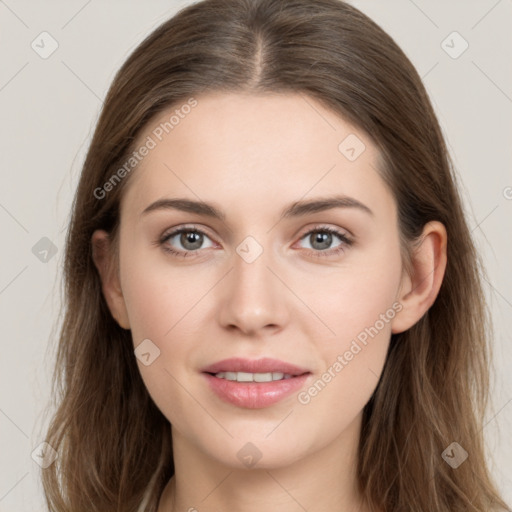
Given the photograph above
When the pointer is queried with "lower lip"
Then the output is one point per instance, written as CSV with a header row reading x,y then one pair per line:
x,y
255,395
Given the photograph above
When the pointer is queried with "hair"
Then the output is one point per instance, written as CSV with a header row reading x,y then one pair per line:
x,y
114,444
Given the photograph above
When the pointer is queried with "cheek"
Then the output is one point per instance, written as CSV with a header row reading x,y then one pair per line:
x,y
161,313
354,298
359,308
160,298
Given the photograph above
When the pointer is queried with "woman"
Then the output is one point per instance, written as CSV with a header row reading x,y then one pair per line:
x,y
209,360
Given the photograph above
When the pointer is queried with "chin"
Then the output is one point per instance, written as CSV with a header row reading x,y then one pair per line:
x,y
256,452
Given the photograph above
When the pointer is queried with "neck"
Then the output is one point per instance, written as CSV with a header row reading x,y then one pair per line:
x,y
324,480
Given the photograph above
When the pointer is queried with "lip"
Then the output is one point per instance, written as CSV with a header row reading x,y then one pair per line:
x,y
264,365
254,395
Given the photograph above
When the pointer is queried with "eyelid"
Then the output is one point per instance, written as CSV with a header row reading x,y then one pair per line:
x,y
185,227
326,227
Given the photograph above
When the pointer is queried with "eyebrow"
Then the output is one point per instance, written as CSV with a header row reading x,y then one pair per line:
x,y
296,209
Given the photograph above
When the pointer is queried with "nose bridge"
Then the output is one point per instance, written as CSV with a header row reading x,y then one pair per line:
x,y
253,295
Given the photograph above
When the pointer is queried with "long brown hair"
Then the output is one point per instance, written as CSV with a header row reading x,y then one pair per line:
x,y
114,444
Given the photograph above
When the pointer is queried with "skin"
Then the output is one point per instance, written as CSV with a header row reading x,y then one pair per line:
x,y
251,156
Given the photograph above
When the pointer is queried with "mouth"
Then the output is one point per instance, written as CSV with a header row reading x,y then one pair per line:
x,y
254,384
252,377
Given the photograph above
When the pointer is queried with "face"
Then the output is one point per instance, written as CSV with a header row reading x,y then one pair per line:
x,y
315,288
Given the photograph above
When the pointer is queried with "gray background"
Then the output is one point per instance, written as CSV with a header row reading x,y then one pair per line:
x,y
49,108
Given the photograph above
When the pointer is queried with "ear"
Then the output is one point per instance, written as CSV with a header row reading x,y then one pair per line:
x,y
102,255
419,289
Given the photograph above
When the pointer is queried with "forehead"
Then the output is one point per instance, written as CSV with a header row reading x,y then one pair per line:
x,y
258,150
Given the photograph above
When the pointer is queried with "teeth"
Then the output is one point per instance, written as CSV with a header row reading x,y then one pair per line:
x,y
253,377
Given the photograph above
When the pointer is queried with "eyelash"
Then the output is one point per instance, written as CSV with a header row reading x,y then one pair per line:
x,y
347,242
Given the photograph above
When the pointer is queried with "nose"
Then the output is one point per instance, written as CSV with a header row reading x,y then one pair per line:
x,y
253,298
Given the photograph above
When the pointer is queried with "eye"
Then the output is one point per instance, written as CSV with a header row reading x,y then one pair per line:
x,y
321,238
190,239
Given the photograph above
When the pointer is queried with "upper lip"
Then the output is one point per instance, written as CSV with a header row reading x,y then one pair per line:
x,y
265,365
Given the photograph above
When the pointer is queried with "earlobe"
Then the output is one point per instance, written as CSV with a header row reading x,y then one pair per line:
x,y
420,289
102,254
